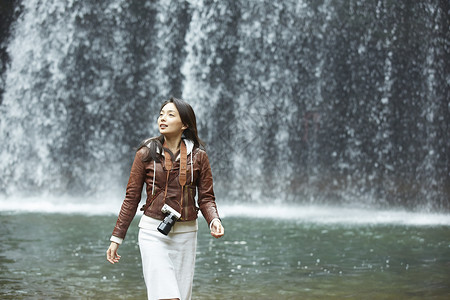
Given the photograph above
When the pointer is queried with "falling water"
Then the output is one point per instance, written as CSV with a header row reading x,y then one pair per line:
x,y
301,103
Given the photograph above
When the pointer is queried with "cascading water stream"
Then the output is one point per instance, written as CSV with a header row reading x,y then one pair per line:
x,y
332,103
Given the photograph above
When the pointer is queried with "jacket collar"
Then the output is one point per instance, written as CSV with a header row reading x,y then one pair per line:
x,y
189,147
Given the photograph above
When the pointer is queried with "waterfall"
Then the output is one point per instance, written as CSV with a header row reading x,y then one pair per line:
x,y
318,103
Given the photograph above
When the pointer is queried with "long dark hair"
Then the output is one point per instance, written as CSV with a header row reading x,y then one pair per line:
x,y
153,145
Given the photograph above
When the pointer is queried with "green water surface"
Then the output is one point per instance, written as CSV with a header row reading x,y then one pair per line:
x,y
58,256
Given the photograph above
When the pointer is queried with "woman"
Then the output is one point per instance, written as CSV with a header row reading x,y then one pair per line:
x,y
173,166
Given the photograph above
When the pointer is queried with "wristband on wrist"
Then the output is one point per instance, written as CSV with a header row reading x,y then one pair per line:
x,y
212,222
115,239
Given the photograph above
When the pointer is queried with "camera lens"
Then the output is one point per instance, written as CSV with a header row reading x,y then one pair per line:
x,y
166,224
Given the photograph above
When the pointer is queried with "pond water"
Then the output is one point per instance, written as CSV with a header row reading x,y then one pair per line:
x,y
62,256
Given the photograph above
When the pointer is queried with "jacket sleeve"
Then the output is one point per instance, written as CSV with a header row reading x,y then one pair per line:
x,y
132,198
206,199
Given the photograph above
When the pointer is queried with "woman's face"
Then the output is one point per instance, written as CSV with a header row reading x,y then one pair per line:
x,y
169,121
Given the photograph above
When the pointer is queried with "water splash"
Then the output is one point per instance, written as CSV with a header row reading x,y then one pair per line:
x,y
305,214
297,100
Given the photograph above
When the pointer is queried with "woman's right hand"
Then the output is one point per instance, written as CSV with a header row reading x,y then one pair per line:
x,y
111,254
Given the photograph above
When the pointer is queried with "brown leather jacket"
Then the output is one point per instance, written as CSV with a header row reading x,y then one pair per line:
x,y
142,172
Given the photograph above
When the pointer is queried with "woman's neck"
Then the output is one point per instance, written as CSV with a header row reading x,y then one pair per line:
x,y
173,144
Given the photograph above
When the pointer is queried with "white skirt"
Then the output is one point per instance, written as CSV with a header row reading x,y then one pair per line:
x,y
168,263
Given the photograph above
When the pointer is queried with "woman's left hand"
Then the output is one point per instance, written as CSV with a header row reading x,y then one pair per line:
x,y
217,229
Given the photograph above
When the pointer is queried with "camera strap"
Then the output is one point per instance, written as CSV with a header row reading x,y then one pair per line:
x,y
168,166
182,175
183,164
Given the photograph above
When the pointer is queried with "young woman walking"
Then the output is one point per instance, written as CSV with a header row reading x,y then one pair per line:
x,y
174,167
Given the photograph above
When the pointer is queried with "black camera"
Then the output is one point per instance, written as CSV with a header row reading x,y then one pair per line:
x,y
169,220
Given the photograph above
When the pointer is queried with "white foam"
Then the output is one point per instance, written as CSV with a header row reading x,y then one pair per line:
x,y
95,206
309,214
333,215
